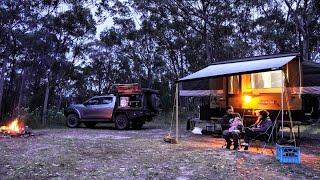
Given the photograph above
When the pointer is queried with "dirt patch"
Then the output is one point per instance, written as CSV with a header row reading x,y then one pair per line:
x,y
111,154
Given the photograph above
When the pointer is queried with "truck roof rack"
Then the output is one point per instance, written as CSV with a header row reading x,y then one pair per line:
x,y
125,88
133,88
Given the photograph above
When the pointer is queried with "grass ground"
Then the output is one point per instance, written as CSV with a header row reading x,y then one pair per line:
x,y
106,153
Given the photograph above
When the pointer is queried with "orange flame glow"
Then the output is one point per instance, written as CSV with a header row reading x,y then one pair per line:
x,y
14,128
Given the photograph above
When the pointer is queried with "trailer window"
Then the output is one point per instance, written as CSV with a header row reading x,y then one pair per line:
x,y
134,101
124,101
271,79
233,84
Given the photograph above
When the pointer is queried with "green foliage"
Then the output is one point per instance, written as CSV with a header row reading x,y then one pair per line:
x,y
54,52
33,118
56,118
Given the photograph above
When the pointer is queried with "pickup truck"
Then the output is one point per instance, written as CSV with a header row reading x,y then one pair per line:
x,y
127,105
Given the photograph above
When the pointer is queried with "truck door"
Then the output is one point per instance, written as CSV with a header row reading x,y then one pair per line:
x,y
90,109
105,107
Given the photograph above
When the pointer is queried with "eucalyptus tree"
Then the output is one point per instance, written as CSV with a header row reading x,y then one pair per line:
x,y
271,31
17,18
306,16
101,70
67,29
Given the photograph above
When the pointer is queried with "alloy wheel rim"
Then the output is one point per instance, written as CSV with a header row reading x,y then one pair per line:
x,y
121,122
72,121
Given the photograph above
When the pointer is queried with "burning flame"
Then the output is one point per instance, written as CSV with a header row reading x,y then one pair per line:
x,y
14,128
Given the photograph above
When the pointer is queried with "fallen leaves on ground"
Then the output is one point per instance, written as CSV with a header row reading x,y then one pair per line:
x,y
107,153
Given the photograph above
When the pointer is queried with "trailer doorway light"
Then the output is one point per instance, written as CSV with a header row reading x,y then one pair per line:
x,y
247,99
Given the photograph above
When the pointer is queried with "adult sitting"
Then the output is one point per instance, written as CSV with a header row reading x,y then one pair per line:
x,y
233,132
260,126
226,119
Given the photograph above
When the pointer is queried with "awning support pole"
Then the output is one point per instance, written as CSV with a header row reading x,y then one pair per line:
x,y
282,113
177,111
300,79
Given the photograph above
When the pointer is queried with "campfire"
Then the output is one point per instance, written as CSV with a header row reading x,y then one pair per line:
x,y
15,128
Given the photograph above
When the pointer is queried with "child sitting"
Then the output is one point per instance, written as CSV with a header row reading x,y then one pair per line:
x,y
233,132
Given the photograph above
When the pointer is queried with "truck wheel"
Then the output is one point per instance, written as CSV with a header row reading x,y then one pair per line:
x,y
137,125
72,121
90,124
122,122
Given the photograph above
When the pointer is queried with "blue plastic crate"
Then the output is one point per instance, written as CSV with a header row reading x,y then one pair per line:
x,y
288,154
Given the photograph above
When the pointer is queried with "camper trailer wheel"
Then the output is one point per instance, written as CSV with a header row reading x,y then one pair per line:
x,y
122,122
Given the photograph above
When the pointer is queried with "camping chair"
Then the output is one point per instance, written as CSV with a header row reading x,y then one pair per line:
x,y
263,136
240,135
239,138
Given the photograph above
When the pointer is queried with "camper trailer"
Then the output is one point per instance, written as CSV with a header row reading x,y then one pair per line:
x,y
275,83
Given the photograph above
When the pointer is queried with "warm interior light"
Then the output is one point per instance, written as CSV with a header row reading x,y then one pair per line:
x,y
247,98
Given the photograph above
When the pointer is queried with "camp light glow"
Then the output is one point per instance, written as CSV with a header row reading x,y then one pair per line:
x,y
247,99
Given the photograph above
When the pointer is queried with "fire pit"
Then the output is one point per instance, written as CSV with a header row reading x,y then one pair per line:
x,y
15,128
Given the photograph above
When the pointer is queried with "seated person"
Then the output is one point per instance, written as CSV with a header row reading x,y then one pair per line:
x,y
225,121
233,132
260,126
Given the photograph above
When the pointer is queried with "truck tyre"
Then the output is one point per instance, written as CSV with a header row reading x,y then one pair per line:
x,y
90,124
72,121
122,122
137,125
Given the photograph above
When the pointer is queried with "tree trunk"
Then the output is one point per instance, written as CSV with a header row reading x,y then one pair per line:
x,y
181,64
100,83
208,53
302,22
45,103
305,50
12,89
150,79
206,33
22,84
60,100
2,78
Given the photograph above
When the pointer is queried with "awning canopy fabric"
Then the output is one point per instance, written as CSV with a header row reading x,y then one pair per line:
x,y
240,67
199,92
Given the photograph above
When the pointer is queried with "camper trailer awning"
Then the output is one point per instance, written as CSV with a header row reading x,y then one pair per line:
x,y
240,67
